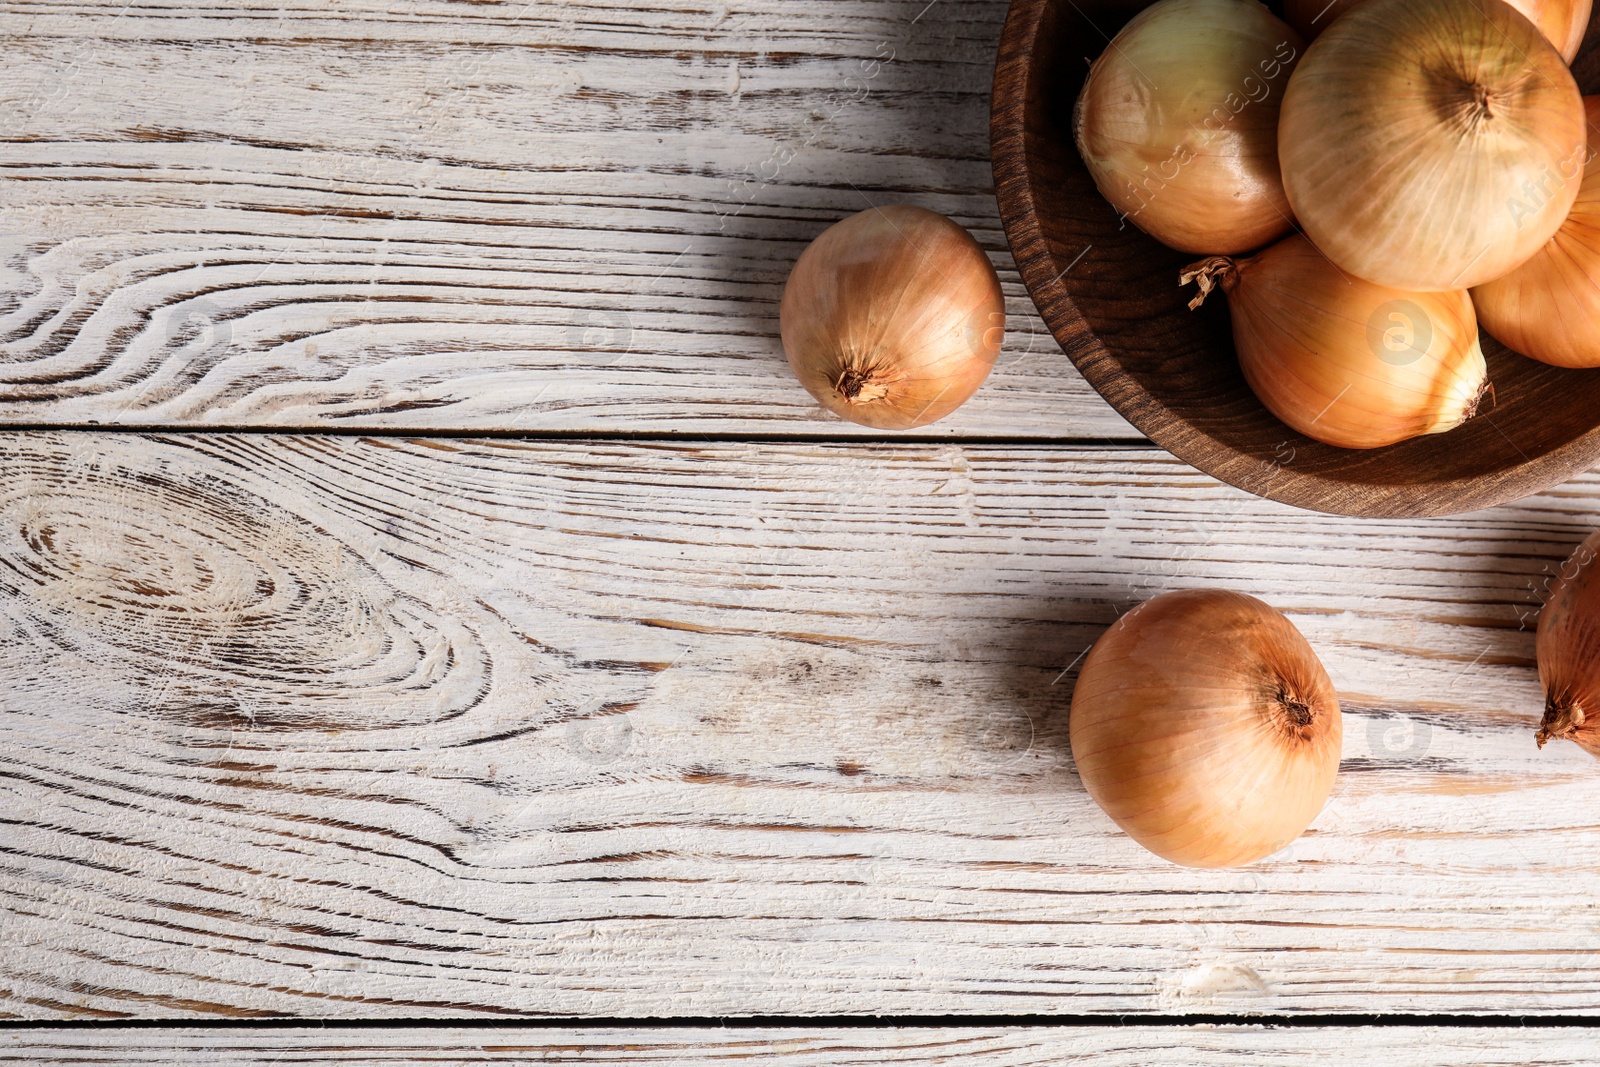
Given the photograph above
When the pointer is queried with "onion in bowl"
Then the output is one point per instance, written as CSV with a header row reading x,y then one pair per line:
x,y
1431,144
1178,123
1549,308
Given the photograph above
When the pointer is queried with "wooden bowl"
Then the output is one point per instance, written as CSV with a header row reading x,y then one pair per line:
x,y
1110,295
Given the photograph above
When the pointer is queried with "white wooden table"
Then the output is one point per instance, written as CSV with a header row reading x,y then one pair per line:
x,y
425,593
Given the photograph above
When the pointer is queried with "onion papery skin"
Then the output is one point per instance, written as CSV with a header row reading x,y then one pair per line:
x,y
1549,308
1421,142
893,317
1178,123
1568,649
1206,727
1347,362
1563,22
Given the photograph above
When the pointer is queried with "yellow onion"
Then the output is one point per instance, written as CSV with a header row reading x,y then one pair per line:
x,y
893,317
1549,308
1568,649
1341,360
1421,141
1563,22
1206,727
1178,123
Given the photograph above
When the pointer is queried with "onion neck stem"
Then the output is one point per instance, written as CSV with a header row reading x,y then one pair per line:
x,y
859,386
1484,99
1299,711
1208,274
1484,390
1296,716
1563,717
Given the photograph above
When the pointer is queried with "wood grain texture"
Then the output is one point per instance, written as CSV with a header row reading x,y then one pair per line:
x,y
1122,1046
1110,293
461,215
348,727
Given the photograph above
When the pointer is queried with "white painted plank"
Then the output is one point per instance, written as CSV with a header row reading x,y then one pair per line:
x,y
454,215
377,727
1121,1046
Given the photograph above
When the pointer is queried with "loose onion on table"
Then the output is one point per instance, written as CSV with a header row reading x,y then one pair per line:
x,y
893,317
1341,360
1568,649
1549,308
1563,22
1206,727
1178,123
1422,142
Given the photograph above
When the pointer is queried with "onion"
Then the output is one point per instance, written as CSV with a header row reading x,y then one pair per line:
x,y
1421,141
893,317
1341,360
1568,650
1178,123
1563,22
1206,728
1549,308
